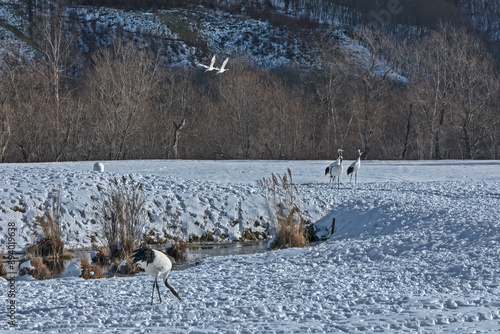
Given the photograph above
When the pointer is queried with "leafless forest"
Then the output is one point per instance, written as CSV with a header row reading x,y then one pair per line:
x,y
434,96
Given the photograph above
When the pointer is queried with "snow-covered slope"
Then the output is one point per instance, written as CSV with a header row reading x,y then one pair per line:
x,y
181,36
416,249
188,198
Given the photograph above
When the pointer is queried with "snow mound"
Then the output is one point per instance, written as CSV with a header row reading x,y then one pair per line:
x,y
74,269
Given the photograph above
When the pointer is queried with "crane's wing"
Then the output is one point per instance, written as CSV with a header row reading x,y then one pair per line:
x,y
212,62
224,63
205,66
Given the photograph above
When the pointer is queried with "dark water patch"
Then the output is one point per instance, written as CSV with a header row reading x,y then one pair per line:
x,y
198,252
195,253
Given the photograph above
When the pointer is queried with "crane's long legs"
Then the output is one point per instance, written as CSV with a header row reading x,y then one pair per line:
x,y
153,293
173,290
158,289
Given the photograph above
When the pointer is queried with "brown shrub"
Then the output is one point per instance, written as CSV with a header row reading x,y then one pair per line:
x,y
101,257
284,211
122,216
128,268
90,271
52,244
40,271
48,247
3,270
178,250
290,234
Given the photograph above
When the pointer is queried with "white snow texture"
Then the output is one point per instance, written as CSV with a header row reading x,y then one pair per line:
x,y
416,249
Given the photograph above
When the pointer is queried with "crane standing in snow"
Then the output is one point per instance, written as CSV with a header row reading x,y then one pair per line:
x,y
335,169
155,263
353,168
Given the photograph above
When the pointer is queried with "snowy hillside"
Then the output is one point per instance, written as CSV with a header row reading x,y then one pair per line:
x,y
194,33
416,249
181,36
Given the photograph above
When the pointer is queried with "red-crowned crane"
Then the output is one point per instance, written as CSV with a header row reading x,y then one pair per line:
x,y
155,263
353,168
211,67
222,69
335,169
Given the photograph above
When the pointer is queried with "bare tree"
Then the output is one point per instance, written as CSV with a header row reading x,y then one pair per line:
x,y
26,98
174,99
177,135
56,43
241,91
451,83
433,76
332,84
5,120
121,86
476,84
286,123
369,76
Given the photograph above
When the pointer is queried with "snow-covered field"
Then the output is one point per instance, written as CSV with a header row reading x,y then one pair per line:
x,y
416,249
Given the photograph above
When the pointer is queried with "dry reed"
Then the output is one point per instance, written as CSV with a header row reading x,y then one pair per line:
x,y
283,208
122,216
178,250
51,245
3,270
40,271
90,271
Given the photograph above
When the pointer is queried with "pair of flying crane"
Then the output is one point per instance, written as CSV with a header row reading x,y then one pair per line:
x,y
211,67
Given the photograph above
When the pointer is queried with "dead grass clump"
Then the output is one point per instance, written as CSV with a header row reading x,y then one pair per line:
x,y
47,247
122,216
127,267
178,250
50,244
101,257
250,235
153,238
39,271
124,267
291,234
284,211
3,270
90,271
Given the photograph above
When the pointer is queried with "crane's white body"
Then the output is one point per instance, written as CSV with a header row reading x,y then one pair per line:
x,y
210,67
223,69
335,169
353,169
161,264
98,167
155,263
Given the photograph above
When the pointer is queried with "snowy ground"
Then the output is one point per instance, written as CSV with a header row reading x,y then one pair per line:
x,y
416,249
